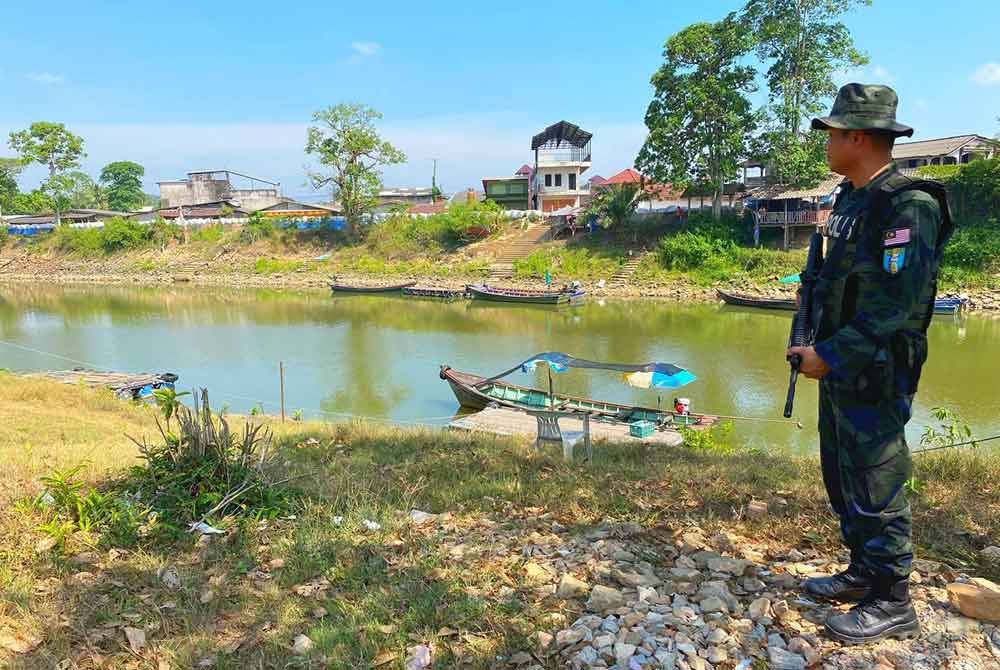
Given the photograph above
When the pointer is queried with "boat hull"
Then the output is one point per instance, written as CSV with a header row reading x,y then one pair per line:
x,y
786,304
342,288
482,292
472,392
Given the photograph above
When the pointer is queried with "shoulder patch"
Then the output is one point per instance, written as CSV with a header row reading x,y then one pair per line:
x,y
893,260
896,237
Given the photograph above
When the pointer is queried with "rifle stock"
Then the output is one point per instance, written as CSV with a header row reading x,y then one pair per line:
x,y
805,320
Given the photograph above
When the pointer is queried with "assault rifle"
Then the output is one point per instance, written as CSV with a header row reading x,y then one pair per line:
x,y
805,321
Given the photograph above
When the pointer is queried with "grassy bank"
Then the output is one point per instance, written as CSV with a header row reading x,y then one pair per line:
x,y
364,594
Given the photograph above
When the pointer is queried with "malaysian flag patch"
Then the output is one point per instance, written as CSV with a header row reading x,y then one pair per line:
x,y
896,237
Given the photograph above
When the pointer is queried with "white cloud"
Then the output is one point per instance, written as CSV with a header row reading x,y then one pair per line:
x,y
467,147
365,49
45,77
987,74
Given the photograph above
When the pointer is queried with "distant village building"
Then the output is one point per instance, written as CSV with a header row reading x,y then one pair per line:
x,y
956,150
797,212
30,224
213,186
420,195
221,211
293,209
562,155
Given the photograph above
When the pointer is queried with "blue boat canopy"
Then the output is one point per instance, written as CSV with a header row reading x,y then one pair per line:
x,y
644,375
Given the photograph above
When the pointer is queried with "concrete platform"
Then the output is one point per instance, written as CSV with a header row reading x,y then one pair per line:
x,y
504,421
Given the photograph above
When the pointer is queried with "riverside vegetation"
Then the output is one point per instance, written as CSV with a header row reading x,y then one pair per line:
x,y
355,545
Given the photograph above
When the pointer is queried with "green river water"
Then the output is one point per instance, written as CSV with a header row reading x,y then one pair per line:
x,y
378,357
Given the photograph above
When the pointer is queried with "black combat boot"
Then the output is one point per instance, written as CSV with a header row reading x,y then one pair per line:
x,y
887,612
848,586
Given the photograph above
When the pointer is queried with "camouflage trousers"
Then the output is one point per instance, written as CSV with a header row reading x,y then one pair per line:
x,y
866,464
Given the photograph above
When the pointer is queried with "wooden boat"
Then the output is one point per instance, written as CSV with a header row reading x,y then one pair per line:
x,y
362,288
743,300
484,292
950,304
944,305
440,293
476,392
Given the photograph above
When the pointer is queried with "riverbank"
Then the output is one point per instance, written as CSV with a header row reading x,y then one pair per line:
x,y
299,271
476,551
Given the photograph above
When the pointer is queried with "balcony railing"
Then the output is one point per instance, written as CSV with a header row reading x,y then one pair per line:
x,y
581,189
564,154
799,218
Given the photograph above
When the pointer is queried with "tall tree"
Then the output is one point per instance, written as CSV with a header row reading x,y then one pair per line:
x,y
10,168
700,119
75,190
805,44
122,181
351,152
52,145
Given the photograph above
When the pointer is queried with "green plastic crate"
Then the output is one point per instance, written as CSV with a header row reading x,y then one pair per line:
x,y
641,428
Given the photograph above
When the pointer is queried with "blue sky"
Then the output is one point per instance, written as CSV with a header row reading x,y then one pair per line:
x,y
201,85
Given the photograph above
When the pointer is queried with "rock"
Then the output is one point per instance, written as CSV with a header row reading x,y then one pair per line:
x,y
571,587
713,604
752,584
961,626
168,575
731,566
756,509
977,599
586,657
782,659
418,657
301,645
623,652
418,517
605,640
543,642
759,608
206,596
990,555
521,658
634,579
717,655
776,641
648,594
18,642
136,638
603,598
780,608
570,636
45,544
537,574
276,563
319,612
371,525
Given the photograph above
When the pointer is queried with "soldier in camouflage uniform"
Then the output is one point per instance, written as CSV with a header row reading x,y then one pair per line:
x,y
875,294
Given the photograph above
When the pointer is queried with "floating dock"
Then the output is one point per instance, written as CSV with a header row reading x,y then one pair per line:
x,y
504,421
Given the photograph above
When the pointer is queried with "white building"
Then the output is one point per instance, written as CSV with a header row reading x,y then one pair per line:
x,y
562,155
944,151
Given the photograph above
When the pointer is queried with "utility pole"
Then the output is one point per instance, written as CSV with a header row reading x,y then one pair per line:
x,y
434,187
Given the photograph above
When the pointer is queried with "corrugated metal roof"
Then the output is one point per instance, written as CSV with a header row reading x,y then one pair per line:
x,y
564,131
780,192
936,147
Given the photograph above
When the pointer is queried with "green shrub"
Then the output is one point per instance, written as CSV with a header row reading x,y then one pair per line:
x,y
401,235
4,235
163,232
120,234
270,266
566,264
974,246
81,241
210,233
257,227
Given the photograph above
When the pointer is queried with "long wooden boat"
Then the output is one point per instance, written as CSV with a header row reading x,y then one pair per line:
x,y
440,293
475,392
361,288
743,300
943,305
484,292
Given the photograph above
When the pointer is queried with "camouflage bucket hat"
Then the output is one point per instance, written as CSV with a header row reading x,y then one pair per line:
x,y
864,107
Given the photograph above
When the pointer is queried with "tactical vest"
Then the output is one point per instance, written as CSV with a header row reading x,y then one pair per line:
x,y
906,350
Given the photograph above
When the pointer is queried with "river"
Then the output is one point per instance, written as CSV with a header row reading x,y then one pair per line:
x,y
378,357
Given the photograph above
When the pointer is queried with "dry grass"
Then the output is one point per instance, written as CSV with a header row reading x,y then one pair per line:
x,y
397,585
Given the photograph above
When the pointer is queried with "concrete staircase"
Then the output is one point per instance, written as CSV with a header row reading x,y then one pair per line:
x,y
514,249
626,271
